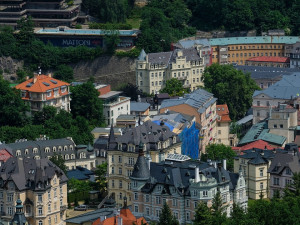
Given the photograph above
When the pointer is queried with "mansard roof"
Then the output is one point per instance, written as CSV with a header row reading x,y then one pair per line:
x,y
34,174
178,175
149,133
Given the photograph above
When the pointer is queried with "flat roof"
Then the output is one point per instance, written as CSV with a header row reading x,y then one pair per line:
x,y
110,94
69,31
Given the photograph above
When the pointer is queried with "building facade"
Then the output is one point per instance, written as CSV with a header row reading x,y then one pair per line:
x,y
254,164
202,105
287,89
154,69
80,155
223,126
182,185
44,14
44,90
114,105
122,154
40,185
282,168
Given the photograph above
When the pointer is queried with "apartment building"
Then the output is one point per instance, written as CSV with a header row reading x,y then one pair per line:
x,y
287,89
236,50
114,105
122,154
154,69
39,184
223,126
44,90
254,164
181,185
200,104
44,13
282,168
80,155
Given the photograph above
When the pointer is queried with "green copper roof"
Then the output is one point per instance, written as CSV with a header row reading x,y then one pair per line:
x,y
254,40
260,131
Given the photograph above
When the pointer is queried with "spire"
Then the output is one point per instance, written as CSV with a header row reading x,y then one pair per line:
x,y
19,217
142,56
111,135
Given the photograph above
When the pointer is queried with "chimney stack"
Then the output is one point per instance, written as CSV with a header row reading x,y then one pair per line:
x,y
224,164
197,176
50,75
35,76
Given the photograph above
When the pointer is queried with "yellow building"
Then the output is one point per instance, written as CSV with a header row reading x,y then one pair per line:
x,y
157,140
40,185
239,49
154,69
254,163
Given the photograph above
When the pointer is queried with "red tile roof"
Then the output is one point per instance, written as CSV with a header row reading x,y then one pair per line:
x,y
275,59
223,113
41,83
127,217
256,144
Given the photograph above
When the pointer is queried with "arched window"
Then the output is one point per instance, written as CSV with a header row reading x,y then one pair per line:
x,y
35,151
26,151
59,148
65,148
71,147
18,152
72,156
54,149
40,222
66,157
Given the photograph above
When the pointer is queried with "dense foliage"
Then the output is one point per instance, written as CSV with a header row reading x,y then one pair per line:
x,y
231,87
174,87
236,15
218,152
114,11
166,216
164,22
110,26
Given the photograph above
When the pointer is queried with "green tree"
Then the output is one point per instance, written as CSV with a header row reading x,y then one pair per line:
x,y
166,217
132,91
238,215
231,87
26,31
59,161
12,107
85,103
203,215
218,209
174,87
100,174
40,117
8,42
112,39
65,73
219,152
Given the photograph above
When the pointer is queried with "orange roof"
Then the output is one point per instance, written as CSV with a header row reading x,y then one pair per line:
x,y
276,59
127,217
256,144
223,113
42,84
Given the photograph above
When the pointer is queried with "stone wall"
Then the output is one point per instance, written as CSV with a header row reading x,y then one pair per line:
x,y
9,67
111,70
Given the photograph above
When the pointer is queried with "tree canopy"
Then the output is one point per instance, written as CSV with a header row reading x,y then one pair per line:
x,y
166,216
219,152
59,161
231,87
65,73
85,103
174,87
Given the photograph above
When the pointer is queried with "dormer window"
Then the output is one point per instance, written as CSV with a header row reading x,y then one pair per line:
x,y
174,139
54,149
159,145
119,146
159,188
26,151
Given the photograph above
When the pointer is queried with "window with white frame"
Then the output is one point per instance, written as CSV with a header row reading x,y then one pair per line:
x,y
147,199
147,211
276,181
136,208
10,210
40,210
10,197
157,200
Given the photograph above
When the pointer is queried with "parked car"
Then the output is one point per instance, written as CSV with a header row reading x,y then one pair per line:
x,y
81,208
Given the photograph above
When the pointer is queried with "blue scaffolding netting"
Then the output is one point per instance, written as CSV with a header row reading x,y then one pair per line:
x,y
190,141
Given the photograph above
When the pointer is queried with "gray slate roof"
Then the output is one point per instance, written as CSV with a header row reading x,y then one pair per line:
x,y
92,216
138,106
178,175
30,173
287,87
282,161
149,133
199,99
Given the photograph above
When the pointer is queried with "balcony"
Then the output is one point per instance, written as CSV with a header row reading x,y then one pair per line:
x,y
182,78
129,165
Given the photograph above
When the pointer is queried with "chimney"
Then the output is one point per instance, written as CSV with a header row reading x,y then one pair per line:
x,y
224,164
120,220
50,75
35,76
27,77
197,176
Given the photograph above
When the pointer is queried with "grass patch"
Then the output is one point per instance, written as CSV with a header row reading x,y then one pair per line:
x,y
134,22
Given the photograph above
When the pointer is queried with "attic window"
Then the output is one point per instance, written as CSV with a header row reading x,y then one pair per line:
x,y
54,81
46,84
29,84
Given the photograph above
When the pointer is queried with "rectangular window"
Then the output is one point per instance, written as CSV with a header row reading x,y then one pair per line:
x,y
188,216
174,202
204,193
276,181
112,183
40,211
120,184
10,210
147,198
157,200
261,172
258,103
55,192
136,208
1,194
120,159
261,185
120,171
113,170
187,203
10,197
147,211
288,171
219,131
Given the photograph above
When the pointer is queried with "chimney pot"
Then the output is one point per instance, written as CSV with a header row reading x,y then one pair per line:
x,y
197,176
